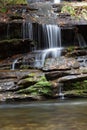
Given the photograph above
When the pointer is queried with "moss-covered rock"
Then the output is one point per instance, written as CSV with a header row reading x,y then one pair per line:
x,y
79,85
77,89
76,93
35,85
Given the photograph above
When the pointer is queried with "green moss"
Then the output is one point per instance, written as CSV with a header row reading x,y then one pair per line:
x,y
68,9
77,12
24,67
70,49
42,87
10,41
78,93
81,85
32,74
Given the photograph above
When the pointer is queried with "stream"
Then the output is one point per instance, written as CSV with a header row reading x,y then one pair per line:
x,y
45,115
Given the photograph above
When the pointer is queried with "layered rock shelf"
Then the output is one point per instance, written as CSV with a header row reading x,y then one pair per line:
x,y
27,73
34,84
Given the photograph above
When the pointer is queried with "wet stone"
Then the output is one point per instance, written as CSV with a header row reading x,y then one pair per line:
x,y
6,85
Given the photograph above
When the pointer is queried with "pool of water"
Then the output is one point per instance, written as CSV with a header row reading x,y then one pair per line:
x,y
46,115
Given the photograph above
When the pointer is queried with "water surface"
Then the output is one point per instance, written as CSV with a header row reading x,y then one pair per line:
x,y
46,115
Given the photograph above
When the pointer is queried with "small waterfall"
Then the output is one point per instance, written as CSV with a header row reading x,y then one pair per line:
x,y
52,41
13,64
81,40
52,36
48,37
61,95
27,30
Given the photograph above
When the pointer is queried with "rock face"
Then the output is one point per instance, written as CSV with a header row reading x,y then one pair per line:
x,y
28,85
15,46
61,63
24,85
68,72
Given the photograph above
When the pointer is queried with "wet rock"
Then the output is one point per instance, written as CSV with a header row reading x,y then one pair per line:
x,y
76,94
52,75
82,60
61,63
6,85
28,81
15,46
11,97
72,78
75,53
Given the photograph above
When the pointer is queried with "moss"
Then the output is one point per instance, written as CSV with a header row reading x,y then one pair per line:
x,y
81,85
68,9
32,74
77,12
71,48
42,87
24,67
76,93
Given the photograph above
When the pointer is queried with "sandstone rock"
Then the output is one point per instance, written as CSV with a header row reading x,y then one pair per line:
x,y
61,63
52,75
72,78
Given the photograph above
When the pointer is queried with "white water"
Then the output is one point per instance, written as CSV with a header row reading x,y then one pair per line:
x,y
41,55
60,93
52,36
13,64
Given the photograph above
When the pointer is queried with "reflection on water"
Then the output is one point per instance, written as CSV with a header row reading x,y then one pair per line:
x,y
52,115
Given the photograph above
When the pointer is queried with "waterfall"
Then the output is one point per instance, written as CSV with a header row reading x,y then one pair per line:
x,y
48,37
61,95
81,40
52,42
27,30
14,63
52,35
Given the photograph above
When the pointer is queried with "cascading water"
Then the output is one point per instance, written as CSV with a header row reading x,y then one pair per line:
x,y
60,93
52,38
49,38
52,34
14,63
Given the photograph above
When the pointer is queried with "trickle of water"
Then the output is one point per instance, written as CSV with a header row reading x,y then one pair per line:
x,y
27,30
81,40
13,64
60,93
